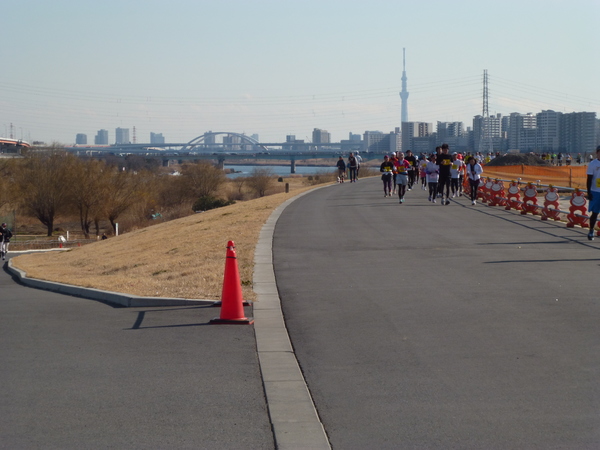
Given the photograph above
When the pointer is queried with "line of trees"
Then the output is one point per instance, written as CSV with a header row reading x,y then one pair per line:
x,y
58,184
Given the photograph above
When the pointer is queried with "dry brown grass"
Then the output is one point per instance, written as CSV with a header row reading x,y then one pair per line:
x,y
183,258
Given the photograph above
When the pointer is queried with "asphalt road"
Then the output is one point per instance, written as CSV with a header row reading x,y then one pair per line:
x,y
422,326
79,374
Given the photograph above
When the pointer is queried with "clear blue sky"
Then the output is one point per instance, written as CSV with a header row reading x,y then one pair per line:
x,y
278,67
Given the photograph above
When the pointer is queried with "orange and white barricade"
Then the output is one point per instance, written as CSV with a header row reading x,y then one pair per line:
x,y
551,206
497,193
513,196
578,210
530,199
485,193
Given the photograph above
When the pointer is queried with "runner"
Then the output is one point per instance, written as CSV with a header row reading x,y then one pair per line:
x,y
393,159
474,172
444,161
387,172
412,171
423,171
593,189
433,174
455,171
402,175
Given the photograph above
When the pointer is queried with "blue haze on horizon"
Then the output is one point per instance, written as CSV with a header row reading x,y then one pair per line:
x,y
278,67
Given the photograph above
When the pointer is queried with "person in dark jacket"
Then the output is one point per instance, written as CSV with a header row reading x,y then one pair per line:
x,y
5,235
352,167
341,165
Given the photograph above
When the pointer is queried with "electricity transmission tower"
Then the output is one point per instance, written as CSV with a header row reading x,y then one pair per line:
x,y
485,142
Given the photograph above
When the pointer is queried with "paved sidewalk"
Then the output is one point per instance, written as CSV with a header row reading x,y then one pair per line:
x,y
78,373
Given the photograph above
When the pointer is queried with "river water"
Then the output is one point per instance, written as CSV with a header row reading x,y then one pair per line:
x,y
282,171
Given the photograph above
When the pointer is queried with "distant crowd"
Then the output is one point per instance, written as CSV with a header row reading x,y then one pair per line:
x,y
443,174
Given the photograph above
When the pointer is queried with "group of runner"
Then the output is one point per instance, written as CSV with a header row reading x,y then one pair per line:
x,y
441,172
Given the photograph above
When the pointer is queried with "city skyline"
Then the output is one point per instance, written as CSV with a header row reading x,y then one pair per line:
x,y
278,68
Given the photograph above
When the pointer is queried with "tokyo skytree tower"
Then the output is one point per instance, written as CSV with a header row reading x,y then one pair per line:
x,y
404,93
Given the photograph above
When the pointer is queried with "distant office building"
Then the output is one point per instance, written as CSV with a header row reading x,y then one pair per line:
x,y
415,130
320,136
122,136
379,142
101,137
578,132
293,144
375,141
451,133
157,138
232,143
255,137
81,139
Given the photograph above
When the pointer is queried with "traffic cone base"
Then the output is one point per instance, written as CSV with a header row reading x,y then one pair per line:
x,y
244,321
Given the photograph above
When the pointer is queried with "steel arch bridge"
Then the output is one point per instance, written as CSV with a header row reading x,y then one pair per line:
x,y
200,142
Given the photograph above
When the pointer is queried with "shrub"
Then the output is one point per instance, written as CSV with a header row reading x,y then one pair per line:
x,y
207,202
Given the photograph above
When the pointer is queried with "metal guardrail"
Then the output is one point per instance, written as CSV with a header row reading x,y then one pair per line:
x,y
42,244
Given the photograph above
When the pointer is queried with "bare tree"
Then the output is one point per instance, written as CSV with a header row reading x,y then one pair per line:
x,y
44,183
87,190
202,179
120,192
261,180
7,193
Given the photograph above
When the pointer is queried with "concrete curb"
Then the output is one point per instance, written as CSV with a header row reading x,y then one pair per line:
x,y
111,298
293,416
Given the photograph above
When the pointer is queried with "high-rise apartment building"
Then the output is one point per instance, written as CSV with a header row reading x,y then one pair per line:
x,y
122,136
487,132
548,131
321,136
81,139
578,132
101,137
521,131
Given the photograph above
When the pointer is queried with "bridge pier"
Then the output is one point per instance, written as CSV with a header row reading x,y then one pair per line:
x,y
221,163
293,165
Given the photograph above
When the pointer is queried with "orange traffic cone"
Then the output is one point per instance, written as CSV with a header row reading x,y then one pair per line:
x,y
232,303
